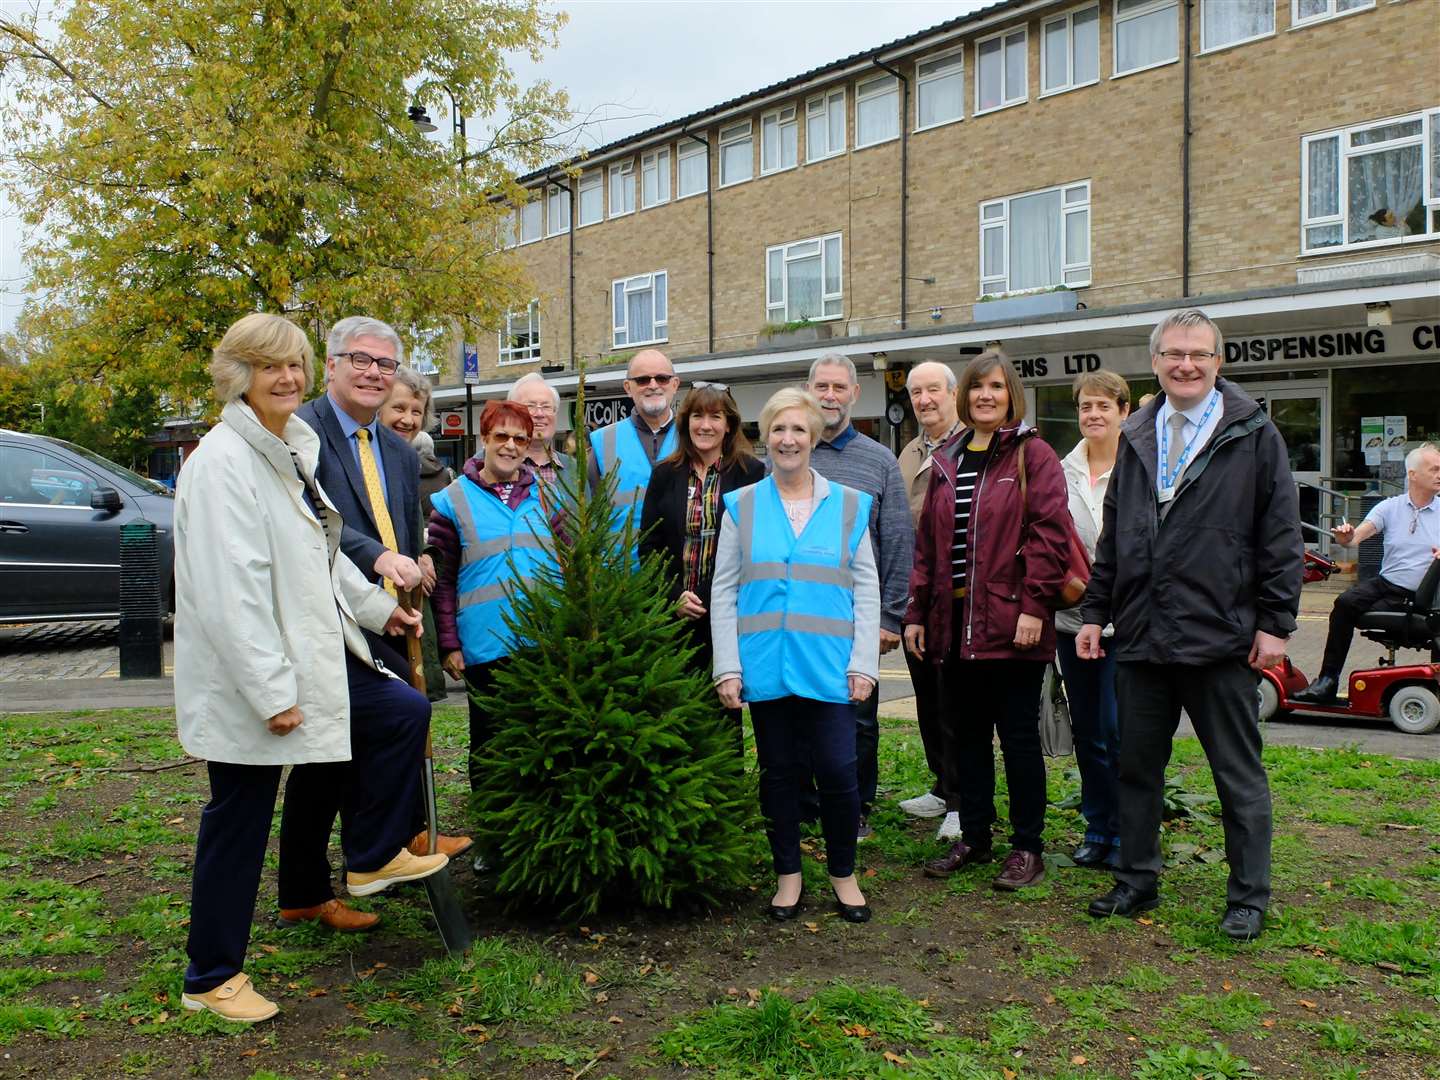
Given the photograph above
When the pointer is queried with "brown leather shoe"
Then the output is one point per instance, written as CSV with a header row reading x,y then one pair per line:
x,y
333,913
448,845
1021,868
960,854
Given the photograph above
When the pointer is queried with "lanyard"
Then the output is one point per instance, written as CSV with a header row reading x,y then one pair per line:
x,y
1167,479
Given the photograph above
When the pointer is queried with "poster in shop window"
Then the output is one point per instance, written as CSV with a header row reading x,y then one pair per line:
x,y
1372,438
1395,438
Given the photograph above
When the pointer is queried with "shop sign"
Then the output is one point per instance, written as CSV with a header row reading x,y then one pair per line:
x,y
604,411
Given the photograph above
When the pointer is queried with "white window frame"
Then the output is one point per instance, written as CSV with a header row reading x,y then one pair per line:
x,y
533,208
524,354
1204,49
1429,191
830,99
735,139
635,284
687,149
1068,18
554,195
1001,220
1298,22
778,117
1147,9
892,89
589,182
777,310
923,80
1006,101
657,160
622,175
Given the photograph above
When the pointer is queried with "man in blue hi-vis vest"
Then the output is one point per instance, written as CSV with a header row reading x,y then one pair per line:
x,y
629,448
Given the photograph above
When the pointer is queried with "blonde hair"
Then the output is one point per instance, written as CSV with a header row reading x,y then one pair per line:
x,y
792,397
981,366
252,342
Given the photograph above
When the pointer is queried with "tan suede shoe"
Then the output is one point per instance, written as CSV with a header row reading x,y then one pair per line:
x,y
450,846
333,913
403,867
234,999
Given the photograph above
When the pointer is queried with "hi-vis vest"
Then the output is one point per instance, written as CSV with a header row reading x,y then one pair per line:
x,y
796,606
498,546
618,450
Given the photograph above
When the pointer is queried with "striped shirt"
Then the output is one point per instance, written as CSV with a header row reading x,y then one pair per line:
x,y
702,528
967,473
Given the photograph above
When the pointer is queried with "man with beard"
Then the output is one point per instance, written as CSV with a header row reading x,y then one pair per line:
x,y
629,448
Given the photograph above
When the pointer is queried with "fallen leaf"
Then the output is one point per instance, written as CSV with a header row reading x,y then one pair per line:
x,y
591,978
733,991
473,1029
601,998
869,873
271,949
538,979
319,991
814,928
1227,985
381,964
1009,1074
1078,1059
1267,1023
176,821
1049,999
858,1031
924,1003
162,1017
896,1059
1386,965
613,1020
1307,1004
1145,922
646,970
455,1009
248,1053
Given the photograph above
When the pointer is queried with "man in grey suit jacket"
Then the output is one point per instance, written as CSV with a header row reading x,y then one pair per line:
x,y
383,540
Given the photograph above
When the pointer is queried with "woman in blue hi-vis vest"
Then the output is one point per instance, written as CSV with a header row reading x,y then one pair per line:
x,y
795,620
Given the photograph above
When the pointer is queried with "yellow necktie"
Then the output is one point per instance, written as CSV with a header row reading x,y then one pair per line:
x,y
376,495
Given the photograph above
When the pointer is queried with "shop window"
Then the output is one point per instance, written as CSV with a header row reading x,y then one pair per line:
x,y
1070,51
1365,186
1146,34
1056,417
1037,240
877,110
640,309
1229,22
520,340
940,90
779,140
1003,76
1308,11
825,125
592,199
737,154
803,280
692,168
655,177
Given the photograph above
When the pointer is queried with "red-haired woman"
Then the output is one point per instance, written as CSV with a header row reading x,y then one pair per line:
x,y
682,502
489,531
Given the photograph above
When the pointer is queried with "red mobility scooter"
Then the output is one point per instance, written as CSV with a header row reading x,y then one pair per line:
x,y
1408,695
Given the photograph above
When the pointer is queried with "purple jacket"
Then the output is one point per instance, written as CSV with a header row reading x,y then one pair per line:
x,y
1015,558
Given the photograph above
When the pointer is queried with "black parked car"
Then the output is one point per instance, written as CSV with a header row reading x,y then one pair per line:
x,y
61,508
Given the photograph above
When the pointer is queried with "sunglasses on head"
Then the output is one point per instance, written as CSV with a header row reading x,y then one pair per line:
x,y
646,380
720,386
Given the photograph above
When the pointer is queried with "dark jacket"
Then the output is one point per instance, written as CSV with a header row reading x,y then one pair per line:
x,y
666,503
339,475
1016,557
1225,560
435,476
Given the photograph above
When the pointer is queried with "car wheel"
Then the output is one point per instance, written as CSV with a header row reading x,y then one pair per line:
x,y
1415,710
1269,698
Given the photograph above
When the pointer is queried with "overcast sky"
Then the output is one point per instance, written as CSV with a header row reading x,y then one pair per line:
x,y
631,64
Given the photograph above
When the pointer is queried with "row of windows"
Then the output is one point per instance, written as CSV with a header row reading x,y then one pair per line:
x,y
1146,35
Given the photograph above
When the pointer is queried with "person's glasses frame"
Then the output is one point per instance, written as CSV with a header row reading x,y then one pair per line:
x,y
361,361
646,380
542,407
1175,356
720,386
502,437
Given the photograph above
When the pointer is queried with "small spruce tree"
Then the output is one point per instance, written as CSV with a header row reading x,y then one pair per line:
x,y
612,774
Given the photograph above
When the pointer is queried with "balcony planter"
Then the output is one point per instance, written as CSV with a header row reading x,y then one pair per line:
x,y
1025,306
796,333
551,369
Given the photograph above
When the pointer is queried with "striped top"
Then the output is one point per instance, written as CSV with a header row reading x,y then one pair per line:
x,y
967,473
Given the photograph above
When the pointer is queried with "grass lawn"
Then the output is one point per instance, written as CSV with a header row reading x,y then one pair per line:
x,y
952,980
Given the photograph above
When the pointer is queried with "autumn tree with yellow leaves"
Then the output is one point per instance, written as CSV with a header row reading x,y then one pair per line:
x,y
182,162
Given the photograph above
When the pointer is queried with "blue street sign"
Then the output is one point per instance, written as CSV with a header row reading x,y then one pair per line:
x,y
472,364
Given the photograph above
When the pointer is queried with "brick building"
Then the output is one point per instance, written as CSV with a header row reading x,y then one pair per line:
x,y
1049,175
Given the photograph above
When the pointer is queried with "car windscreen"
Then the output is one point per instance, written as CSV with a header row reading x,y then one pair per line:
x,y
143,483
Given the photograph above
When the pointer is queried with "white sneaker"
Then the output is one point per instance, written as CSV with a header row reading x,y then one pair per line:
x,y
950,827
927,805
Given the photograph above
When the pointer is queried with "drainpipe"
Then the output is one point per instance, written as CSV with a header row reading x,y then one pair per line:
x,y
904,188
709,241
568,187
1185,161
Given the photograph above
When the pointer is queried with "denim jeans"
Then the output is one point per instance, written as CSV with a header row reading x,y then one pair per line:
x,y
1090,688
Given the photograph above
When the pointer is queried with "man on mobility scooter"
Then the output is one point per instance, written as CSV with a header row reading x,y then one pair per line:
x,y
1397,608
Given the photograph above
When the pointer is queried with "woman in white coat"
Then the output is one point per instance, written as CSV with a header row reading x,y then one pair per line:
x,y
1102,402
271,668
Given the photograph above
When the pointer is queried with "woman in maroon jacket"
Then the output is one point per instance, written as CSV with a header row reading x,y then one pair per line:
x,y
989,565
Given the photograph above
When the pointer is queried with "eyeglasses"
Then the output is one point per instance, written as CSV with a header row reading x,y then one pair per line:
x,y
500,438
542,407
1175,356
646,380
361,361
720,386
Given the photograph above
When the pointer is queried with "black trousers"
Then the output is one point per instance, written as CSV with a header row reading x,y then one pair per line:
x,y
1377,594
1222,705
984,697
379,785
480,679
795,738
928,684
376,785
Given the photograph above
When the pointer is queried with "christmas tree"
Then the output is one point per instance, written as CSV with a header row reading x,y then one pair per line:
x,y
612,774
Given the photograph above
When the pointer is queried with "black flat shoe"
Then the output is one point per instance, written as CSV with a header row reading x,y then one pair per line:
x,y
789,912
1123,900
1091,854
1320,692
1242,923
856,913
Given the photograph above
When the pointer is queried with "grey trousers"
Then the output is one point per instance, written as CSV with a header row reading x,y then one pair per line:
x,y
1222,705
